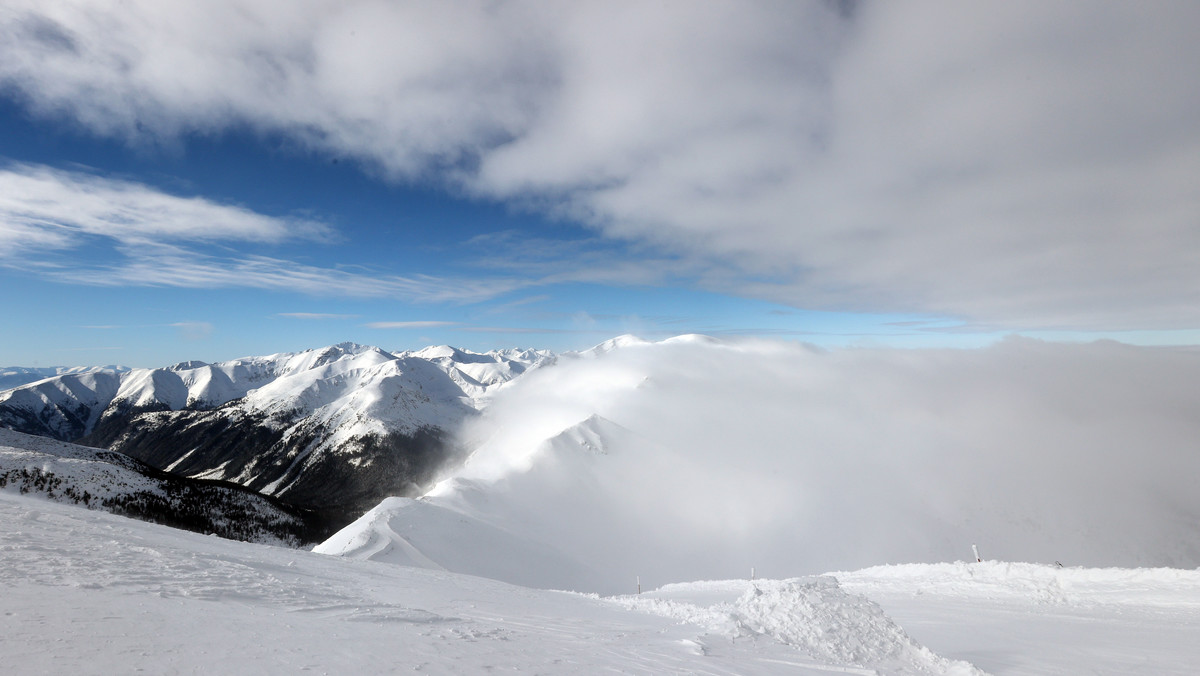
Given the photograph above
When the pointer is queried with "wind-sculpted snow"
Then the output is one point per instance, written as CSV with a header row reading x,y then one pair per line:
x,y
814,615
419,533
696,459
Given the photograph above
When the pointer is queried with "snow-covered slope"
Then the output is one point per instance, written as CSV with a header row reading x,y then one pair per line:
x,y
16,376
695,458
91,593
333,429
116,483
64,407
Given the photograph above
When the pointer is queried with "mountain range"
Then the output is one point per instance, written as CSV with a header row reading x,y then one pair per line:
x,y
328,431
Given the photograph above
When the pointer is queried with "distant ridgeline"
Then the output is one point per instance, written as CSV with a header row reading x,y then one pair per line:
x,y
326,434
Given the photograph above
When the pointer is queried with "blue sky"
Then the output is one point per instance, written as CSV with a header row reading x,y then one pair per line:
x,y
262,177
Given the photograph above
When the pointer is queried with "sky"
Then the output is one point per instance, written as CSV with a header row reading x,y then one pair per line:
x,y
207,181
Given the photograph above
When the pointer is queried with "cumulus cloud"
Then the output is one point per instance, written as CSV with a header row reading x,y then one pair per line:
x,y
711,457
1022,164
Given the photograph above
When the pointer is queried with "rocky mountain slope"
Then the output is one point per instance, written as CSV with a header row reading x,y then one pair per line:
x,y
116,483
332,430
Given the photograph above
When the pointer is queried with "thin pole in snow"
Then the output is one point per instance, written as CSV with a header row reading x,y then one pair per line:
x,y
976,551
751,572
639,584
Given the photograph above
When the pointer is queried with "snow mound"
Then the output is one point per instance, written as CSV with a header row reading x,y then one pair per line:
x,y
814,615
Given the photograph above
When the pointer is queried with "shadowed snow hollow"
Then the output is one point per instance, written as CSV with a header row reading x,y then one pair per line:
x,y
694,459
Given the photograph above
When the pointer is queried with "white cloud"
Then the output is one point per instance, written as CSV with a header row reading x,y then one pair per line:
x,y
313,315
723,455
1023,164
48,216
165,265
193,330
45,208
418,324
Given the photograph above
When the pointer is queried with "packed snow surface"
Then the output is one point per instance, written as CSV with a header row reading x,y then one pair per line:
x,y
87,593
91,593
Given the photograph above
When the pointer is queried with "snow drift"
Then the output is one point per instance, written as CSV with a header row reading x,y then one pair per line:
x,y
694,458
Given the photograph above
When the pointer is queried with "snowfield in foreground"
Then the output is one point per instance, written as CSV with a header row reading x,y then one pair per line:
x,y
85,592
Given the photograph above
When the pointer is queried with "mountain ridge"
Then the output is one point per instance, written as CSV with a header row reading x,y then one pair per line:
x,y
333,429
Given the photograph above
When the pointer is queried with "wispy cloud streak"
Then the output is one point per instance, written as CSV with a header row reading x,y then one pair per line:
x,y
173,266
46,208
416,324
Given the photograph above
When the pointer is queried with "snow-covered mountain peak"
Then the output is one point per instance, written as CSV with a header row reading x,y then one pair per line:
x,y
595,434
694,339
480,374
331,428
316,358
441,352
622,341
